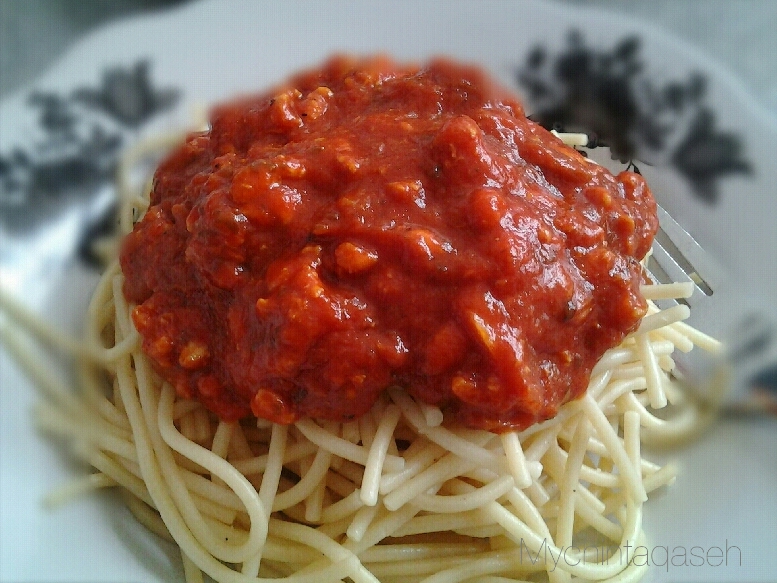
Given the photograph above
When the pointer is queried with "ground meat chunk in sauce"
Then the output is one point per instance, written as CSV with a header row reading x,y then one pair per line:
x,y
371,225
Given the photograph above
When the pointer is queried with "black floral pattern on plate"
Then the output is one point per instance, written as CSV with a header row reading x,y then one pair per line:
x,y
608,94
764,390
84,133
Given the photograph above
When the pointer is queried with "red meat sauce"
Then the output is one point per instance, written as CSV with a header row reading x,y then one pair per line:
x,y
371,225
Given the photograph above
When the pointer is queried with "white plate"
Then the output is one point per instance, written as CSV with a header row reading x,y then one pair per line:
x,y
55,184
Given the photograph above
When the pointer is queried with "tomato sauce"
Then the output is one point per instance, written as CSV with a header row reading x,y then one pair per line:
x,y
371,225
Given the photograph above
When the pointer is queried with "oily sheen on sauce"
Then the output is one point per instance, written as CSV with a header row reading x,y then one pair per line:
x,y
371,224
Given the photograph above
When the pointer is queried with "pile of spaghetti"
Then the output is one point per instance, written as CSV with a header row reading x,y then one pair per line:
x,y
402,492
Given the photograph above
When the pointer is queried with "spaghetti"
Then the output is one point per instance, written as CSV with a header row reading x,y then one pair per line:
x,y
395,495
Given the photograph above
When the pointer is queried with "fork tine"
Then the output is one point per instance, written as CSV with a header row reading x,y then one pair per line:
x,y
663,268
681,257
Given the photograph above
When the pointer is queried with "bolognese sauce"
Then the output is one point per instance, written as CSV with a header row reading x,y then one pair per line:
x,y
370,225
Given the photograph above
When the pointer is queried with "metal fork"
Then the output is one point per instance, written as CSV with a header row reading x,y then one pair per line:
x,y
677,257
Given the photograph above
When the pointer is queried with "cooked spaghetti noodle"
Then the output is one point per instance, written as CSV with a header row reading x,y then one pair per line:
x,y
395,495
